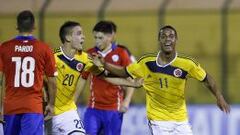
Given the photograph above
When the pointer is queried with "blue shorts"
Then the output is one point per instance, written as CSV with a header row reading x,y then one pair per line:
x,y
102,122
24,124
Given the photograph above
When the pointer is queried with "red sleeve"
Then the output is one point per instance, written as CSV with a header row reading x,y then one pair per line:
x,y
85,75
50,65
126,60
1,61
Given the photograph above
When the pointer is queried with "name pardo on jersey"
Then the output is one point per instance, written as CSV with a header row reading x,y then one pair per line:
x,y
25,48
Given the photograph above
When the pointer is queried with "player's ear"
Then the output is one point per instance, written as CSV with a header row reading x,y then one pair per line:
x,y
68,38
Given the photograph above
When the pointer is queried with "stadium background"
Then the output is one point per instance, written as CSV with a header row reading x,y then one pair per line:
x,y
208,30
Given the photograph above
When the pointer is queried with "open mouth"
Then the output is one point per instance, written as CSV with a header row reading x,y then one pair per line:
x,y
168,44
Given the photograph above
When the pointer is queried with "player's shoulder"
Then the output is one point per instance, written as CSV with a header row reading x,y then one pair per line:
x,y
122,47
148,56
41,45
7,42
187,58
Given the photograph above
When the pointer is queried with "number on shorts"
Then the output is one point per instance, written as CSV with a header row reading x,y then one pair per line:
x,y
79,124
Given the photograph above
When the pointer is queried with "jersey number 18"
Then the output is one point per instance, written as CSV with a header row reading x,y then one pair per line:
x,y
24,71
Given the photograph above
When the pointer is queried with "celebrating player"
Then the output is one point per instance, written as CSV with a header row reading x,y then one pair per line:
x,y
165,74
71,61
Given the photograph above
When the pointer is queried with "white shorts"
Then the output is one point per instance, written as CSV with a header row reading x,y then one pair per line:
x,y
67,123
1,129
170,128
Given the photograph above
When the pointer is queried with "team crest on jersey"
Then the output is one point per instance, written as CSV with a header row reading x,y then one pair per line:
x,y
177,72
79,67
115,58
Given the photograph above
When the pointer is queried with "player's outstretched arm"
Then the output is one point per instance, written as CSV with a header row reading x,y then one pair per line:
x,y
125,82
52,88
114,69
211,85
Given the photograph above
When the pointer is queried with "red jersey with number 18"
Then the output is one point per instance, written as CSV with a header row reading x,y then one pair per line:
x,y
24,61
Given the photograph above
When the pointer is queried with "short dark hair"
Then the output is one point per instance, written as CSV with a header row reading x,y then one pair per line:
x,y
167,27
25,21
66,29
105,27
114,26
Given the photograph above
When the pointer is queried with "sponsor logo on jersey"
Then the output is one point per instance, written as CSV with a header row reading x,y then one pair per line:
x,y
79,66
177,72
115,58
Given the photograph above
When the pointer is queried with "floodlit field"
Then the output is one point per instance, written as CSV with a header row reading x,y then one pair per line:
x,y
199,36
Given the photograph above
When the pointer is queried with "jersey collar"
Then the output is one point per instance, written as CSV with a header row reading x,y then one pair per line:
x,y
66,55
20,37
114,46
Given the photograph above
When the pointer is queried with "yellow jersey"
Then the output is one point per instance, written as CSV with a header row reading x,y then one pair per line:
x,y
69,71
164,85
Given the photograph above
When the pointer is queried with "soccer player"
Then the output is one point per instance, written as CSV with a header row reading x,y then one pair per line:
x,y
165,74
23,62
107,102
71,61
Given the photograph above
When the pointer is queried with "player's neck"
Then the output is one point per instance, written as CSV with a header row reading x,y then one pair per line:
x,y
25,34
69,52
105,50
165,58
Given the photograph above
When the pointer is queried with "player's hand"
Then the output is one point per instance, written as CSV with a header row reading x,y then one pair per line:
x,y
223,105
1,118
98,60
124,107
138,82
49,112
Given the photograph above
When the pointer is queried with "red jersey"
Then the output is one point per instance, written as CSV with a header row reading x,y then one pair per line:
x,y
104,95
24,61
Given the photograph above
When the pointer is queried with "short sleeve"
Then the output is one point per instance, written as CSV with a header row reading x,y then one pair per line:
x,y
134,70
50,65
126,58
197,72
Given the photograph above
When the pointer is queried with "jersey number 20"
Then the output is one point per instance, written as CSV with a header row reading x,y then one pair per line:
x,y
24,71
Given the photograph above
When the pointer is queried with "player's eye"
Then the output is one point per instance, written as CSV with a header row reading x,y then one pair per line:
x,y
172,36
163,36
78,33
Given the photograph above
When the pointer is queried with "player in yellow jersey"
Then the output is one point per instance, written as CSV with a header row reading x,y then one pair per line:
x,y
165,74
71,61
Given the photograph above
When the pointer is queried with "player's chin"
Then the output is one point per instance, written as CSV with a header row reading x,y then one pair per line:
x,y
79,48
168,50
